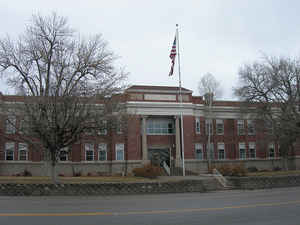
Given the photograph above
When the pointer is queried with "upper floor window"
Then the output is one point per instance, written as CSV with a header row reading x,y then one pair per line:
x,y
23,151
10,125
252,150
199,151
9,150
89,151
269,127
241,127
220,127
119,127
197,125
251,127
221,151
160,126
208,126
119,151
242,150
24,126
102,152
103,128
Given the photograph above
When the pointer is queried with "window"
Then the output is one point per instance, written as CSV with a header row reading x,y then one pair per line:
x,y
119,151
208,126
89,151
119,127
197,125
199,151
242,150
220,127
269,127
252,150
160,126
271,150
251,127
24,126
241,127
221,151
63,154
102,152
103,128
10,125
23,151
9,150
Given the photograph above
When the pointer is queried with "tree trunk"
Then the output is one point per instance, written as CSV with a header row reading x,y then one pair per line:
x,y
285,163
53,173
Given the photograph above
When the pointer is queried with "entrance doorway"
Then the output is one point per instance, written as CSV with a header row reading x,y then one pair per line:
x,y
159,155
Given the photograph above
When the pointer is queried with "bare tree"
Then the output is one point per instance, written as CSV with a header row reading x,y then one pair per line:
x,y
209,87
271,85
65,80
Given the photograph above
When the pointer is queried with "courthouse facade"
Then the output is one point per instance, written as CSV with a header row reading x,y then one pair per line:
x,y
153,129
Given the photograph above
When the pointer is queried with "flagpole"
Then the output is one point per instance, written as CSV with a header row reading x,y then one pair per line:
x,y
181,106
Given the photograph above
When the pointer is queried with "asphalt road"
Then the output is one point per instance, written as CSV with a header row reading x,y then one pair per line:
x,y
274,206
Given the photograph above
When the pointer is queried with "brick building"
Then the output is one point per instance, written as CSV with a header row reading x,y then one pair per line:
x,y
153,131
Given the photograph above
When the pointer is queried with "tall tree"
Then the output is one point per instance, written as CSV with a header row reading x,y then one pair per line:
x,y
272,86
210,88
65,80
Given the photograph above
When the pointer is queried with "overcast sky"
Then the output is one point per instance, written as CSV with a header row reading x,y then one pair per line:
x,y
216,36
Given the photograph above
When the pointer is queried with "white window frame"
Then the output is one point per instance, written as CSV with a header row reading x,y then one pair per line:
x,y
271,146
9,147
221,146
242,146
199,147
89,147
241,127
220,122
102,147
119,147
119,127
252,145
10,124
160,126
197,125
251,127
103,130
22,147
66,149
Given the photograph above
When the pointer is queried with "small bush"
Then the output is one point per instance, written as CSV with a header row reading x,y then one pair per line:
x,y
148,171
225,170
237,170
252,169
27,173
77,174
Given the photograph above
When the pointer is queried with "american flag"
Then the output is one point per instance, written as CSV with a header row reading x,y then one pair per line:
x,y
172,56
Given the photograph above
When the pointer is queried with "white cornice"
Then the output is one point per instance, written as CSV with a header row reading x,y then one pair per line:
x,y
158,91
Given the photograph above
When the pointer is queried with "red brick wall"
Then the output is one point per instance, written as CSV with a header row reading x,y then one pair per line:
x,y
189,136
133,139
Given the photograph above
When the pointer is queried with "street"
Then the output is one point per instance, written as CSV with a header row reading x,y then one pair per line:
x,y
272,206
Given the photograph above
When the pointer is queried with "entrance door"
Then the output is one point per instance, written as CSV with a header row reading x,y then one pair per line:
x,y
159,156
